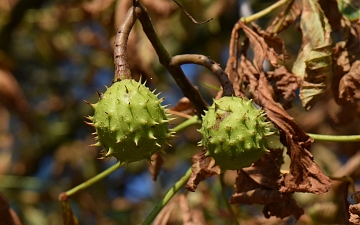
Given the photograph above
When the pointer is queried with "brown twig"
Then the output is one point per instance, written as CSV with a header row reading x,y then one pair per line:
x,y
192,18
165,58
122,69
206,62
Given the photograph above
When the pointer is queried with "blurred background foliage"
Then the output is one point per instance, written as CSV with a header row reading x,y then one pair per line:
x,y
55,54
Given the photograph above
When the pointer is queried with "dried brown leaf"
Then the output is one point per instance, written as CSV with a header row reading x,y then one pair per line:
x,y
266,171
346,53
354,211
202,168
248,73
305,175
287,207
259,184
261,48
286,84
275,45
232,65
259,196
350,82
155,165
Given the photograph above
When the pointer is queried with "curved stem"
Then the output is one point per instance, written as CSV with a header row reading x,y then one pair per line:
x,y
335,138
91,181
264,12
228,206
164,57
122,68
187,123
167,197
211,65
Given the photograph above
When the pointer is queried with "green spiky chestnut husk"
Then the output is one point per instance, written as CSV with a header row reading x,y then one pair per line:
x,y
234,133
130,122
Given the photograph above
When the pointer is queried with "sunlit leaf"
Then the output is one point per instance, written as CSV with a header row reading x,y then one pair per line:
x,y
313,64
202,168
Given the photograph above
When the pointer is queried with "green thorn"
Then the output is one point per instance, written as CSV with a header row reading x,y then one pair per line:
x,y
168,144
136,141
97,144
158,145
110,152
151,136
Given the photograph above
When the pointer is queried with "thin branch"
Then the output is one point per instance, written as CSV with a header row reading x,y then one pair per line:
x,y
167,197
122,68
335,138
206,62
165,58
264,12
188,14
65,195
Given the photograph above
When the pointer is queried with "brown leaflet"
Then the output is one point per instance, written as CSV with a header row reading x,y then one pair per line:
x,y
247,71
286,84
313,64
284,19
350,83
266,171
305,175
288,208
354,211
232,64
270,47
155,165
259,184
346,52
275,45
202,168
261,49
